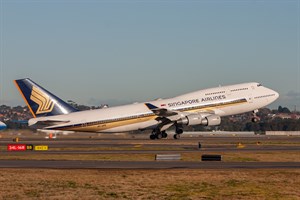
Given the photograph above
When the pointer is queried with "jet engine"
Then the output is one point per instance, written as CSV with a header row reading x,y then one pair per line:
x,y
198,119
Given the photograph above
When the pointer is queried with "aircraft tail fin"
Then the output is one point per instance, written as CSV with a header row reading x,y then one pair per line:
x,y
40,101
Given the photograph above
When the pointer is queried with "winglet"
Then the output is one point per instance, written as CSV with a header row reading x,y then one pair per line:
x,y
162,112
151,106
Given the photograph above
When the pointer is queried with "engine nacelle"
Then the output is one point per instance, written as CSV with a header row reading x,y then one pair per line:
x,y
193,119
198,119
211,120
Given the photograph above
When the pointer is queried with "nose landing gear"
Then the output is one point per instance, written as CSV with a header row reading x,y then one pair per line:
x,y
255,118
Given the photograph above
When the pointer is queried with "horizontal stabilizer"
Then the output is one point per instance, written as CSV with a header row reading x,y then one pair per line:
x,y
44,123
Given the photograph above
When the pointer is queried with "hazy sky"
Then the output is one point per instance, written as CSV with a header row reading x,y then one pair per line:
x,y
114,52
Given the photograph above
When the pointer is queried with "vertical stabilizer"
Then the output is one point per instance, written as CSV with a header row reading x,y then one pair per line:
x,y
40,101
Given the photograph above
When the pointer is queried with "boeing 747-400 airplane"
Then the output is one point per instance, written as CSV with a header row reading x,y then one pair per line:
x,y
203,107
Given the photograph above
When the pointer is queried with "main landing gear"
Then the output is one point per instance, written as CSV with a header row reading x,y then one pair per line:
x,y
178,131
157,134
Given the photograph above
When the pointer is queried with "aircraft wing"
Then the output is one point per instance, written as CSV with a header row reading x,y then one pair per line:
x,y
167,118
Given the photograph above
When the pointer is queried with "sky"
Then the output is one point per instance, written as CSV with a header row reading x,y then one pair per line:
x,y
117,52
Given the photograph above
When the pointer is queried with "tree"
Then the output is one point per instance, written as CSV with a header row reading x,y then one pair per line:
x,y
283,109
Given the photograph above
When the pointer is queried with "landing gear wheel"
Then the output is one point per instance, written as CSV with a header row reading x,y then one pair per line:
x,y
164,134
179,131
152,136
176,136
159,135
254,119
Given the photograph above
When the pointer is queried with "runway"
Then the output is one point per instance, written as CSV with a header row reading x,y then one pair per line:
x,y
140,144
230,149
79,164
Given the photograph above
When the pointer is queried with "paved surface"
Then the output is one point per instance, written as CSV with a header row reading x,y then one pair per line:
x,y
141,151
127,145
142,145
145,164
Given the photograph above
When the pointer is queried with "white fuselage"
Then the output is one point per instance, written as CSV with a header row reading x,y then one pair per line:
x,y
221,101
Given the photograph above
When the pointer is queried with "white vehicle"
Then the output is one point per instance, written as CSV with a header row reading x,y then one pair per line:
x,y
203,107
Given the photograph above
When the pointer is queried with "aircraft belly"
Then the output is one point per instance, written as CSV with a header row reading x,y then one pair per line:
x,y
114,126
131,127
237,109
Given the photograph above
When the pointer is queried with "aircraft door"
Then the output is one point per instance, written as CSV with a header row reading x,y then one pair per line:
x,y
83,123
228,92
250,96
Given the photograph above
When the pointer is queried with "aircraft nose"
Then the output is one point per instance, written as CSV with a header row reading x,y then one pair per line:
x,y
276,94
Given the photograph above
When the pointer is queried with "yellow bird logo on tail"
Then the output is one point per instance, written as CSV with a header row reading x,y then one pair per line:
x,y
43,100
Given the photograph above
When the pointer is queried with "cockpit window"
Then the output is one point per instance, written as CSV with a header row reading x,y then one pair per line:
x,y
258,85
